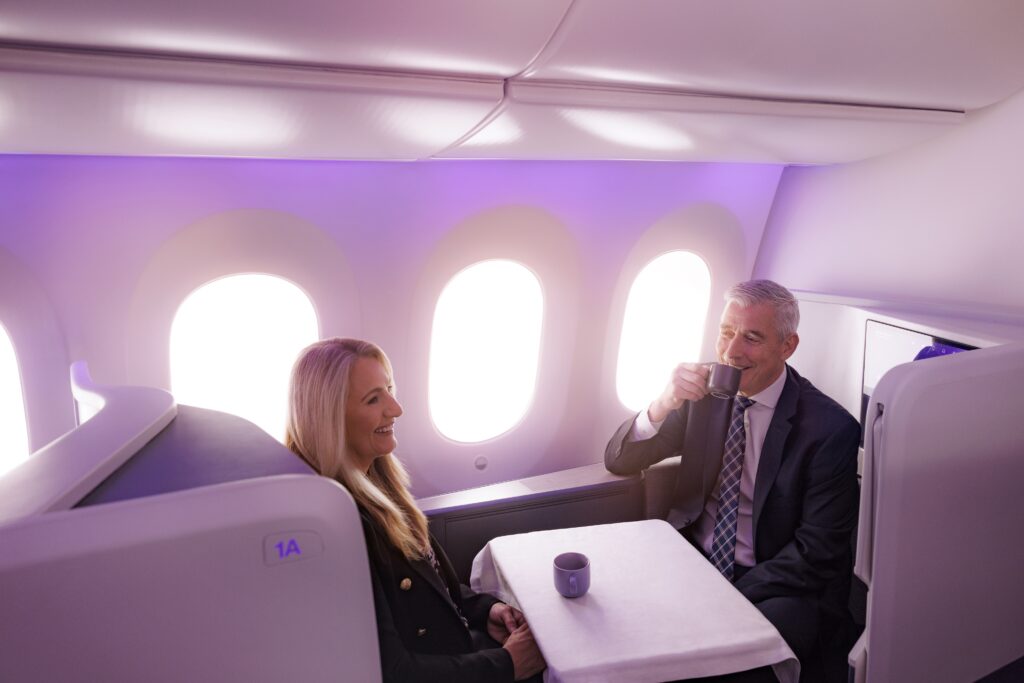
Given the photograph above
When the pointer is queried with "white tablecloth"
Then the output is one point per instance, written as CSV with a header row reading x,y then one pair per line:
x,y
657,610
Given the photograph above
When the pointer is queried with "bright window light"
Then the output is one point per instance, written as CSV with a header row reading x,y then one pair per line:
x,y
484,350
13,429
233,342
663,325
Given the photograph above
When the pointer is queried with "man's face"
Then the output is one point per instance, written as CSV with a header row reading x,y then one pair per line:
x,y
749,340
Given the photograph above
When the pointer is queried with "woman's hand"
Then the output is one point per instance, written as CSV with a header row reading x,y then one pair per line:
x,y
503,620
526,657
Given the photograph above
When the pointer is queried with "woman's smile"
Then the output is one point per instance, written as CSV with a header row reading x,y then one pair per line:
x,y
370,413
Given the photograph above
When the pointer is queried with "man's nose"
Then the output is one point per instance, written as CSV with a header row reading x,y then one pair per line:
x,y
734,347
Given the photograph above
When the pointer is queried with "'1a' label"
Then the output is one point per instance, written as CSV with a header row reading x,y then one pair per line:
x,y
290,546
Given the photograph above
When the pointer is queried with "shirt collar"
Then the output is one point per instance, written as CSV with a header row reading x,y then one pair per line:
x,y
769,396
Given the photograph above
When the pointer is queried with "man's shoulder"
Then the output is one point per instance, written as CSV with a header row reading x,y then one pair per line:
x,y
820,408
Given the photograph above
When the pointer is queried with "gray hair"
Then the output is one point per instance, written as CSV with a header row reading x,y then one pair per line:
x,y
752,292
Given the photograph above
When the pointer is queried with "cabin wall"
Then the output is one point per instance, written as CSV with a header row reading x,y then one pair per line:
x,y
111,246
938,224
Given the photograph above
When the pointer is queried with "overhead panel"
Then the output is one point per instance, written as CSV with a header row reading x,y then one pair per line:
x,y
950,54
454,37
550,121
54,103
781,82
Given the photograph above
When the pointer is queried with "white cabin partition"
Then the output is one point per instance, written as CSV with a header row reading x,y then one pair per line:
x,y
940,519
160,542
265,579
61,473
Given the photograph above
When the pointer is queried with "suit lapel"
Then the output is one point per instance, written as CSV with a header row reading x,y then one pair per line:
x,y
774,441
427,573
397,560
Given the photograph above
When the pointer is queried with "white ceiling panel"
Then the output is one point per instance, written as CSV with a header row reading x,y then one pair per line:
x,y
548,122
788,81
943,54
91,104
467,37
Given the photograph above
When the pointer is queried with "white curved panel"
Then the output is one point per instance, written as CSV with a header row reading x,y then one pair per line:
x,y
265,579
915,53
63,103
29,316
941,429
442,36
13,427
938,223
271,240
546,121
58,475
527,232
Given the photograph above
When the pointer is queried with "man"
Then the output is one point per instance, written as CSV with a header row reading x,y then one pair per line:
x,y
769,491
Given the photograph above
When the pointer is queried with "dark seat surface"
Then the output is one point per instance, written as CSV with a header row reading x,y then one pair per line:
x,y
199,447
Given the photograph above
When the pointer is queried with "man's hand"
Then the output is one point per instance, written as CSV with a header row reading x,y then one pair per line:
x,y
689,382
502,620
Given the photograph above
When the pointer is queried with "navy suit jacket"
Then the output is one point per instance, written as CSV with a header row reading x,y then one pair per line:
x,y
423,619
805,491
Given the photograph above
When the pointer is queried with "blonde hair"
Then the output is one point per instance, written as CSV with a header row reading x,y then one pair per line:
x,y
316,432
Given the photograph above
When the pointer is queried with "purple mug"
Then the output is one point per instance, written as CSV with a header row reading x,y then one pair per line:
x,y
723,380
572,574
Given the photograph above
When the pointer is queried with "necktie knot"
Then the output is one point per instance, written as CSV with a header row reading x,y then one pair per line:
x,y
742,403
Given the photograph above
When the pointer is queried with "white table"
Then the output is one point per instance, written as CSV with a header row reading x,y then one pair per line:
x,y
657,610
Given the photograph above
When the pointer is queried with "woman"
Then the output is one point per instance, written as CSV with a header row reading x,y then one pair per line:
x,y
342,413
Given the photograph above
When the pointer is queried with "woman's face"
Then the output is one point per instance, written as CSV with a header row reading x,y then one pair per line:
x,y
370,413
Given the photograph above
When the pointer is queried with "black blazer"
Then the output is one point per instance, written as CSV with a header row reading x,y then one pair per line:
x,y
805,491
423,634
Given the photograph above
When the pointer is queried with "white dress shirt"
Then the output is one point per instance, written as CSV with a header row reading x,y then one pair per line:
x,y
756,422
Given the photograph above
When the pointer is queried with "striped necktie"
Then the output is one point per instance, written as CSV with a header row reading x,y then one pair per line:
x,y
723,544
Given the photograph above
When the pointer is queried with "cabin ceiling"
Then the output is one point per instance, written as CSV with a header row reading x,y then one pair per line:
x,y
782,82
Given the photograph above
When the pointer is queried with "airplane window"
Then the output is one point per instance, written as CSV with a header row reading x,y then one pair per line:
x,y
233,342
663,324
13,429
484,350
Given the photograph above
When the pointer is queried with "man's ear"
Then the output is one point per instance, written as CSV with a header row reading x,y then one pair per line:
x,y
789,345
